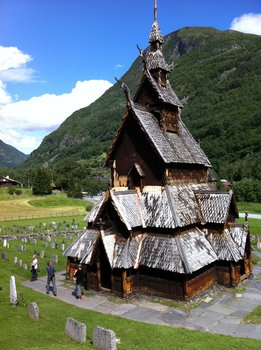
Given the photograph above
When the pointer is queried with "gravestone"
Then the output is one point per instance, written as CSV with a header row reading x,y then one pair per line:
x,y
25,266
62,247
76,330
258,244
20,263
104,339
7,245
19,247
4,255
34,241
4,243
54,258
52,245
45,244
15,259
42,254
33,311
49,239
13,292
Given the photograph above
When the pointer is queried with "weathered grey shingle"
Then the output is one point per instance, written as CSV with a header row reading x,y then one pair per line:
x,y
214,206
83,245
172,147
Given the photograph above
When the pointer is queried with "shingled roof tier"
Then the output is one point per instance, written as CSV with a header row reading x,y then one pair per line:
x,y
185,253
166,207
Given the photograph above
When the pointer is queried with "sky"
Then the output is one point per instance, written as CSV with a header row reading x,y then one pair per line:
x,y
57,56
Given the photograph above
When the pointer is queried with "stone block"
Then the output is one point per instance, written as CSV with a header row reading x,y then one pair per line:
x,y
104,339
76,330
33,311
4,255
13,292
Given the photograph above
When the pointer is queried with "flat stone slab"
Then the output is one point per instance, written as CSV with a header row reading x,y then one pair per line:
x,y
231,320
141,314
222,328
122,309
222,309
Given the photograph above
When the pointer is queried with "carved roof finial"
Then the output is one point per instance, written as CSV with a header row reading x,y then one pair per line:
x,y
126,91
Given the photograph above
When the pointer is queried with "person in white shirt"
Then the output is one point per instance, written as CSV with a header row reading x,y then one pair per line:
x,y
34,267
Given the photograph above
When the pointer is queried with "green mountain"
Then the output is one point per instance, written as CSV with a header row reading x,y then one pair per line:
x,y
218,76
10,157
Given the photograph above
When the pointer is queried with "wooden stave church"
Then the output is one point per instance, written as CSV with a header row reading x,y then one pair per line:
x,y
162,228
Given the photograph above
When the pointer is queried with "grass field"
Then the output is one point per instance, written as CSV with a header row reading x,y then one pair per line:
x,y
254,225
16,207
253,208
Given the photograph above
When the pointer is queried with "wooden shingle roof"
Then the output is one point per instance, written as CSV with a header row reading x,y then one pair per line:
x,y
166,207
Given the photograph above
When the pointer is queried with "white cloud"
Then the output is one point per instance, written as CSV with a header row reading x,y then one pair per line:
x,y
13,65
24,123
46,112
247,23
118,66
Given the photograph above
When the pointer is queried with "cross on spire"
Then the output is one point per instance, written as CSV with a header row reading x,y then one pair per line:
x,y
155,10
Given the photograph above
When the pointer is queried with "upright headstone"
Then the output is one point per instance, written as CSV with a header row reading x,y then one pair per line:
x,y
4,255
13,292
76,330
42,254
25,266
49,238
104,339
33,311
20,263
258,244
7,245
62,247
55,258
15,259
4,243
52,245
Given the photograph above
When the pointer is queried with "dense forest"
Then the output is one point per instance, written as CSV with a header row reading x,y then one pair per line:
x,y
216,73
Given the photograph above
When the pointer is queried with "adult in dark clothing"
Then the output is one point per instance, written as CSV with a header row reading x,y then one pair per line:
x,y
78,276
50,277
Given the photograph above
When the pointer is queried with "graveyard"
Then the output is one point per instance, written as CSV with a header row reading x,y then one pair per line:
x,y
48,328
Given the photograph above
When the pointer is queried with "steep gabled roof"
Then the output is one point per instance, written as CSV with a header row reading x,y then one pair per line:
x,y
172,147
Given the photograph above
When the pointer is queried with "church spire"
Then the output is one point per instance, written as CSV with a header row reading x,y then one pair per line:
x,y
155,59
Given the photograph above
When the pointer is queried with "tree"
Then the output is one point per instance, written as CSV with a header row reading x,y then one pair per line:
x,y
42,182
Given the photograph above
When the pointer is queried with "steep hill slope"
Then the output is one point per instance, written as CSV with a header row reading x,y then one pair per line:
x,y
218,73
10,157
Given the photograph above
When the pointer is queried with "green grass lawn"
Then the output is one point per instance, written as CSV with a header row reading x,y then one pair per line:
x,y
18,331
253,208
254,225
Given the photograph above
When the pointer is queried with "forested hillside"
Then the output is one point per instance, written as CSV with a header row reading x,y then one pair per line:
x,y
218,73
10,157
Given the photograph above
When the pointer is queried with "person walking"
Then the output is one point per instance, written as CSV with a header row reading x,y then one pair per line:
x,y
34,267
51,277
78,276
